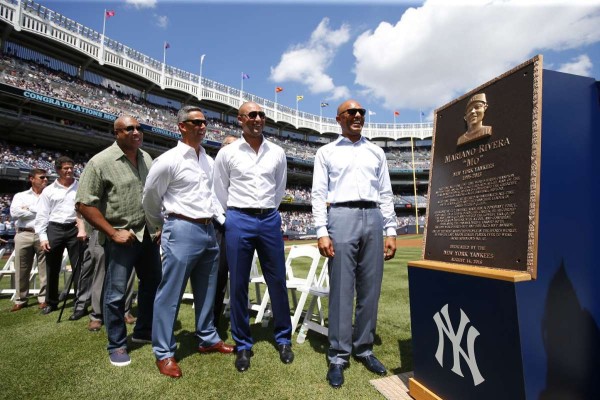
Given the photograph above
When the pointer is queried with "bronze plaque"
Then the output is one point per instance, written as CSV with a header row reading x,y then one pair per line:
x,y
484,179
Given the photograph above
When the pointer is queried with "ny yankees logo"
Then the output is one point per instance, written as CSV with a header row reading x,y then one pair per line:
x,y
445,327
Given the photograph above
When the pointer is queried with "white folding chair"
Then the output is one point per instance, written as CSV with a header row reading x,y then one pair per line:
x,y
261,303
9,270
318,290
293,280
302,285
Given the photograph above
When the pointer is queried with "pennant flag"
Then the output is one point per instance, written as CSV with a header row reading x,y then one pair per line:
x,y
298,98
278,89
167,45
371,112
245,76
422,114
324,104
396,113
110,13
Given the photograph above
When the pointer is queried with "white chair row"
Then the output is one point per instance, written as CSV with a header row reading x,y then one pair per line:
x,y
314,283
9,271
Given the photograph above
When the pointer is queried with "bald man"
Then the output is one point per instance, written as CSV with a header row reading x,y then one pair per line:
x,y
351,176
250,178
110,199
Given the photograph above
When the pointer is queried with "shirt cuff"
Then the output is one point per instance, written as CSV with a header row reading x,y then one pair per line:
x,y
390,232
220,219
43,237
322,231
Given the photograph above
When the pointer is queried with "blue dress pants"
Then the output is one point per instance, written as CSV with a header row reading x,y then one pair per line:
x,y
190,251
245,233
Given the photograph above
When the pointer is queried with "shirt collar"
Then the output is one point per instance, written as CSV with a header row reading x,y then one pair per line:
x,y
186,149
344,140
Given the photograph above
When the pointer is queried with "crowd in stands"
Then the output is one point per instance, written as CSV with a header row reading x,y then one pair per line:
x,y
40,78
28,157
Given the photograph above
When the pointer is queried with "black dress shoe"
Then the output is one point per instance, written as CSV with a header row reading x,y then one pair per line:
x,y
373,364
335,375
48,309
286,355
78,314
242,360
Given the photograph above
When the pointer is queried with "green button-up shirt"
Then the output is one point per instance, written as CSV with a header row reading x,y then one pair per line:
x,y
112,184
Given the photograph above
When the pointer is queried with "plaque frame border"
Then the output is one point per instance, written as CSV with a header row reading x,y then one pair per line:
x,y
536,147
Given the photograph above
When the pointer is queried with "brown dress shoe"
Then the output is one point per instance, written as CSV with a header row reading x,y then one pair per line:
x,y
130,319
95,325
18,306
220,347
42,305
168,366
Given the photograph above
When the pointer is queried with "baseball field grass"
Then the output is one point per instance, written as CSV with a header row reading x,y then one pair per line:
x,y
45,359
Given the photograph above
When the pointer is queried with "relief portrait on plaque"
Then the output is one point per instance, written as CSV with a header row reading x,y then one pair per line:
x,y
474,114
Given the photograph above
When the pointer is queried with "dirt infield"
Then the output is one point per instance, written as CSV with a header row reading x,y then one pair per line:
x,y
409,242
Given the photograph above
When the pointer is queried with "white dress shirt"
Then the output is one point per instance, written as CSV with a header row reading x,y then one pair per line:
x,y
246,179
180,182
23,208
56,204
346,171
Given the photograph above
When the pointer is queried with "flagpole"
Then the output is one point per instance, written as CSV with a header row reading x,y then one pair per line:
x,y
242,89
101,55
412,152
297,118
276,93
321,115
200,77
164,64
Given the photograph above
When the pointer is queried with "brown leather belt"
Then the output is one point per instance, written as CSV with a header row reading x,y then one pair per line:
x,y
19,230
203,221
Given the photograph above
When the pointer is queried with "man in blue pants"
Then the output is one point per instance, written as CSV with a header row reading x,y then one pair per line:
x,y
250,178
352,205
180,183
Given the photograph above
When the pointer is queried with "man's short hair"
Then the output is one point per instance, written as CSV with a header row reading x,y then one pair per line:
x,y
36,171
62,160
182,114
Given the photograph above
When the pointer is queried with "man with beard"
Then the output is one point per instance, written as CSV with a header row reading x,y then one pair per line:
x,y
250,178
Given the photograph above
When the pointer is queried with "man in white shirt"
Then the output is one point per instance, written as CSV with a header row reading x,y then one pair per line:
x,y
27,242
180,183
352,204
250,178
59,227
223,272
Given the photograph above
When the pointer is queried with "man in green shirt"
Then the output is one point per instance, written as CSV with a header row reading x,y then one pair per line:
x,y
110,199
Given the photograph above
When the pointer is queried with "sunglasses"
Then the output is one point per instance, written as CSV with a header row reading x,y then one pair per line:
x,y
253,114
132,128
353,111
43,177
197,122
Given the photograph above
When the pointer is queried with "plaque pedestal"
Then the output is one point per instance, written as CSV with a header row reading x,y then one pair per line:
x,y
481,333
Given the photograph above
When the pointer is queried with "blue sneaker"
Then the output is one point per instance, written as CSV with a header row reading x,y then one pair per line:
x,y
119,358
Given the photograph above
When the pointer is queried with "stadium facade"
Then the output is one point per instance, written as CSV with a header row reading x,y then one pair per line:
x,y
59,120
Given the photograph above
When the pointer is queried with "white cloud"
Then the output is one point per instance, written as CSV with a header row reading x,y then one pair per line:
x,y
162,21
307,63
581,65
142,3
438,51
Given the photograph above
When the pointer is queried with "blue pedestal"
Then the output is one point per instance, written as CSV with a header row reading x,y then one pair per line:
x,y
536,339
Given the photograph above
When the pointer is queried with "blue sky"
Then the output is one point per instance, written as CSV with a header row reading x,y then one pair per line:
x,y
390,55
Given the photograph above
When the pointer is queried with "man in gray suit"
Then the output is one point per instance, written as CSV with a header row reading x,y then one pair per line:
x,y
351,176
